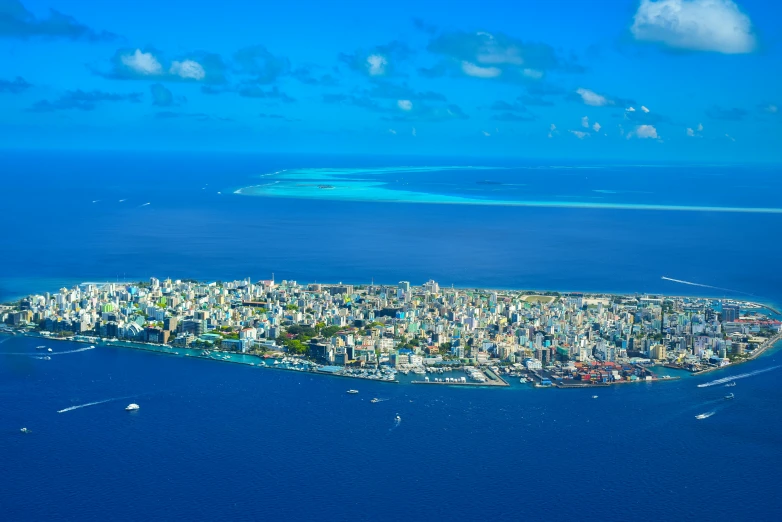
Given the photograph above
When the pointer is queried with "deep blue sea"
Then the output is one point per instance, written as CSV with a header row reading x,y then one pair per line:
x,y
215,440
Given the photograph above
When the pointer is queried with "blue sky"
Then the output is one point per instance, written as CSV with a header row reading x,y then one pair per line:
x,y
604,79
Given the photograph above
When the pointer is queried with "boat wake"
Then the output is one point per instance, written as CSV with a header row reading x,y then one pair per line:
x,y
705,415
397,422
85,349
703,286
79,406
726,380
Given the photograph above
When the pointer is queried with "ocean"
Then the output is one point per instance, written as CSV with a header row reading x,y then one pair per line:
x,y
216,440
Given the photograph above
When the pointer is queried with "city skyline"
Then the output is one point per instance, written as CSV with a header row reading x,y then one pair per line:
x,y
659,80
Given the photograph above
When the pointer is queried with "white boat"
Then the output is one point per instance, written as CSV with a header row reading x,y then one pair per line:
x,y
729,397
48,349
132,407
704,415
352,392
594,396
731,384
25,430
40,347
398,419
373,401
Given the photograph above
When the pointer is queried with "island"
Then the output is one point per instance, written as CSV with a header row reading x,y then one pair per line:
x,y
404,333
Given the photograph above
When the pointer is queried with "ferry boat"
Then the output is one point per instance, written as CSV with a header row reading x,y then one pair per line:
x,y
352,392
132,407
729,397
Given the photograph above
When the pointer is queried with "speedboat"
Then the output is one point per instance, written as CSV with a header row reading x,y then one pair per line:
x,y
25,430
132,407
40,347
352,392
48,349
594,396
398,418
729,396
704,415
731,384
375,400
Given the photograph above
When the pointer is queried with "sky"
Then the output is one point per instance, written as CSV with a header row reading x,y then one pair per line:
x,y
667,80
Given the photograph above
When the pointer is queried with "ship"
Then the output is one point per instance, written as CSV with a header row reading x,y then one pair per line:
x,y
729,397
352,392
132,407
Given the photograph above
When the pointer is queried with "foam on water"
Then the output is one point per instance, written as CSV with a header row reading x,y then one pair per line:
x,y
736,377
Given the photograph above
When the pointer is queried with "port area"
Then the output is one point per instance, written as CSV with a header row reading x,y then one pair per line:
x,y
483,377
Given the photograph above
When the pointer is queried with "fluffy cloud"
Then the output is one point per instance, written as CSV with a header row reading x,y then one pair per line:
x,y
405,105
188,70
644,116
17,22
82,100
698,25
142,63
646,131
476,71
138,64
487,55
376,64
590,97
15,86
596,127
552,130
382,60
585,122
579,134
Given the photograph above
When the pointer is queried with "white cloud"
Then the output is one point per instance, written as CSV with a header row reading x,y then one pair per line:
x,y
695,133
405,105
773,109
731,138
188,69
698,25
592,98
552,130
486,133
471,69
644,109
579,134
630,109
142,63
585,122
392,131
596,127
646,131
552,127
376,64
533,73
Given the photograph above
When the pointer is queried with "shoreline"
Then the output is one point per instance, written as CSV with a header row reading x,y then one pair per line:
x,y
167,350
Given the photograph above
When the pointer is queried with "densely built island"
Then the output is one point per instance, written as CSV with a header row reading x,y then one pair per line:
x,y
457,336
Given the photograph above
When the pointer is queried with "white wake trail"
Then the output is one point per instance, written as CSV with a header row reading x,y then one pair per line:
x,y
85,349
680,281
736,377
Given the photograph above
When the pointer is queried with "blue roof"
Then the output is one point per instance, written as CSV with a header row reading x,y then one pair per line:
x,y
405,351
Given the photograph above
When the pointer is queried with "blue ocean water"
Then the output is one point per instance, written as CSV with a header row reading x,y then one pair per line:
x,y
216,440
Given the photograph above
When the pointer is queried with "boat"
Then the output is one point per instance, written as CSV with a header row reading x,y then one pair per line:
x,y
398,419
731,384
375,400
729,396
132,407
594,396
40,347
352,392
25,430
704,415
48,349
